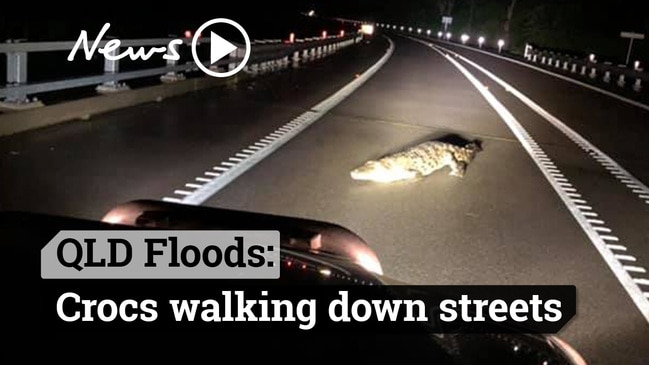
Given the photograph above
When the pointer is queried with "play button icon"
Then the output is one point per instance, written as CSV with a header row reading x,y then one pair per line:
x,y
220,48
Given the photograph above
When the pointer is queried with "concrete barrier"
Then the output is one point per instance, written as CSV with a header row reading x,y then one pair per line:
x,y
83,109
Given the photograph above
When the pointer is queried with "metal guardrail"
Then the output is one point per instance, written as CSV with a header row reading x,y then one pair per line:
x,y
265,55
589,68
578,67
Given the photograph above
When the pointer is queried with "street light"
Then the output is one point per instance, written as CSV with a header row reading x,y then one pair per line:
x,y
480,41
448,36
501,43
591,57
636,65
428,32
409,29
464,38
439,34
418,30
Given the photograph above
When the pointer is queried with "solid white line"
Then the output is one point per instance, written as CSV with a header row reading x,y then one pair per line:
x,y
182,192
304,120
226,163
220,168
210,173
598,154
243,155
629,284
193,186
235,159
609,238
202,179
562,77
625,258
616,247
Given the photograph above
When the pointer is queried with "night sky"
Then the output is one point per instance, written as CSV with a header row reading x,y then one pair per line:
x,y
577,25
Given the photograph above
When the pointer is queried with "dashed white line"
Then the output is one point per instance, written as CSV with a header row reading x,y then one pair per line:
x,y
602,229
636,269
629,283
625,258
253,154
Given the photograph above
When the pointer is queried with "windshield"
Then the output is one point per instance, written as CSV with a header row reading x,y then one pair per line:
x,y
442,142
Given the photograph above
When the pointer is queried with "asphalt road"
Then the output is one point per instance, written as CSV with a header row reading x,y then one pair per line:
x,y
501,224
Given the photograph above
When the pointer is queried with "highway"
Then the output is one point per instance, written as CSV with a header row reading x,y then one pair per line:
x,y
503,223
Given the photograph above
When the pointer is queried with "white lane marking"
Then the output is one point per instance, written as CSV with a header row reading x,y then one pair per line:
x,y
172,200
213,174
562,77
595,221
642,281
182,192
220,168
271,142
605,160
203,179
602,229
629,283
625,258
638,269
193,186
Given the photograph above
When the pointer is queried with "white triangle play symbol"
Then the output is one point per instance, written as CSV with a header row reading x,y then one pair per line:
x,y
219,47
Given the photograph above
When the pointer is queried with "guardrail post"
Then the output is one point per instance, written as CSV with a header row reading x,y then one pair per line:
x,y
296,59
620,81
17,76
236,54
573,68
557,64
565,65
583,70
111,67
172,76
534,58
593,73
543,60
637,86
607,76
